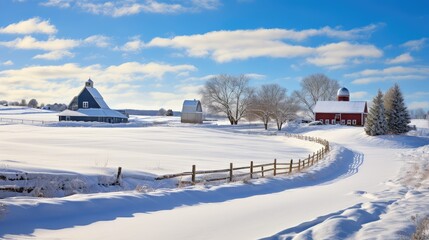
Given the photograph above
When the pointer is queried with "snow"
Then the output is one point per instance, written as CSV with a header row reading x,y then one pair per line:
x,y
340,107
366,188
97,96
93,112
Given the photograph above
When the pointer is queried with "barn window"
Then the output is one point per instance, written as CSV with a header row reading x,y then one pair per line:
x,y
343,122
85,105
326,121
354,122
333,122
349,122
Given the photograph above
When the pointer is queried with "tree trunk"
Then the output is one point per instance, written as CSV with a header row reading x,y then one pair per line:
x,y
279,126
266,126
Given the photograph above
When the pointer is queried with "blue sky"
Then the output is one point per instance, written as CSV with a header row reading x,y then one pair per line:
x,y
149,54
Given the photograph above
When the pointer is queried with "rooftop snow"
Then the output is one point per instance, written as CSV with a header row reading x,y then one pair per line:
x,y
97,96
340,107
93,112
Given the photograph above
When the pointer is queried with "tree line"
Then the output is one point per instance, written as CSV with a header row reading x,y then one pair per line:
x,y
33,103
236,99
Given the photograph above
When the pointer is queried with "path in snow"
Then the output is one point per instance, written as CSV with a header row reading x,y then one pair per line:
x,y
386,209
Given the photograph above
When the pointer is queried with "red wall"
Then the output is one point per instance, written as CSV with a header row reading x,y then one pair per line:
x,y
343,116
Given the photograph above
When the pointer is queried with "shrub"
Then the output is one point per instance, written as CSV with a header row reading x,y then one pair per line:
x,y
422,228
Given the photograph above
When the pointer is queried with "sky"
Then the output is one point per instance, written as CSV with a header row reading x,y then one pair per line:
x,y
148,54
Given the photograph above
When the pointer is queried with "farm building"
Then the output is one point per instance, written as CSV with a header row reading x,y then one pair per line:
x,y
192,112
343,111
89,106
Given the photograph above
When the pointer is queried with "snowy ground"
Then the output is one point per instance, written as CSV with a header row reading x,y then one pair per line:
x,y
367,188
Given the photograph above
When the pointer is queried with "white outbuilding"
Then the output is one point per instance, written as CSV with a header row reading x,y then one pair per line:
x,y
192,112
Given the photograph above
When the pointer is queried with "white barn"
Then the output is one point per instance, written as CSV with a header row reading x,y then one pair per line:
x,y
192,112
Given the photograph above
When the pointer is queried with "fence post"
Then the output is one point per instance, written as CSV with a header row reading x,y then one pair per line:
x,y
262,170
299,165
290,166
275,166
193,174
251,169
118,176
230,172
309,160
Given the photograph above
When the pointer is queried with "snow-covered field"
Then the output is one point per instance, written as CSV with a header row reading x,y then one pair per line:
x,y
366,188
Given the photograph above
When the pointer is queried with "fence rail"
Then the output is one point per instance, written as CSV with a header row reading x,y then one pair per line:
x,y
24,121
260,170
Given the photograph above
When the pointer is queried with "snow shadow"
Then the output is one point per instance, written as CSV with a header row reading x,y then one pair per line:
x,y
79,210
400,141
337,225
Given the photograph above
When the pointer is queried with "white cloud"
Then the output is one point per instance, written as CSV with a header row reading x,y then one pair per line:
x,y
403,58
358,95
54,55
337,54
57,3
132,7
415,45
56,48
255,76
389,74
30,26
199,79
52,44
98,40
417,105
390,71
387,78
225,46
7,63
134,45
206,4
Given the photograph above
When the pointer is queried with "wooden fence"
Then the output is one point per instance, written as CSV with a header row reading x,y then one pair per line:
x,y
24,121
255,170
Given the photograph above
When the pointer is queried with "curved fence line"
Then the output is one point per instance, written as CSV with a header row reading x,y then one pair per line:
x,y
254,171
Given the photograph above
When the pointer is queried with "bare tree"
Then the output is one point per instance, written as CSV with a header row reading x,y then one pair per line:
x,y
265,102
316,87
286,110
227,94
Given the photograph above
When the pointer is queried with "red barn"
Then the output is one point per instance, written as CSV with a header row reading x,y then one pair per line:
x,y
343,111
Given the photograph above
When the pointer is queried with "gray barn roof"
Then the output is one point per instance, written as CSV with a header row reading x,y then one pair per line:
x,y
92,112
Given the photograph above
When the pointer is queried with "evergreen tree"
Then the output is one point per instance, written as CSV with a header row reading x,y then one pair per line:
x,y
397,115
375,122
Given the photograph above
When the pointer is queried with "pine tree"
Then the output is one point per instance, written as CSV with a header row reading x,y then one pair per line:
x,y
375,122
397,115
